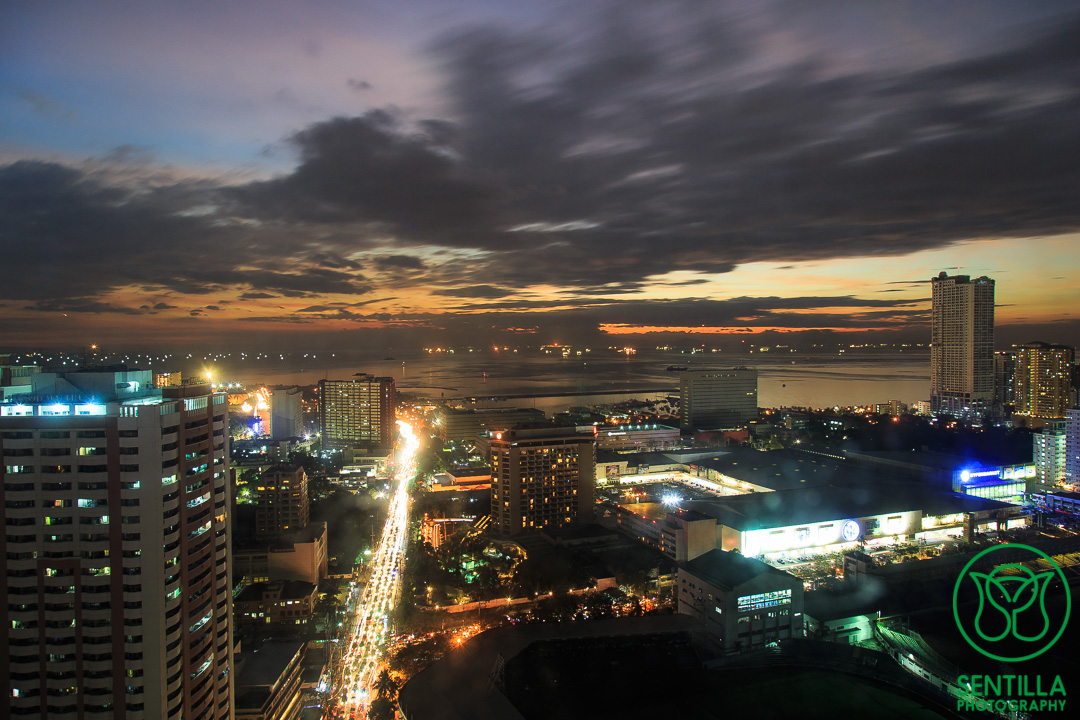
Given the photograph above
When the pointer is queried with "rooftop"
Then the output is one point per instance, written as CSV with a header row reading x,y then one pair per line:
x,y
784,469
266,665
807,505
728,570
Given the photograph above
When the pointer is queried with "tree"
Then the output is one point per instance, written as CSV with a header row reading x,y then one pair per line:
x,y
386,686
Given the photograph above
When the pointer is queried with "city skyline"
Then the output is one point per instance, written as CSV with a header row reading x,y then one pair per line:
x,y
475,173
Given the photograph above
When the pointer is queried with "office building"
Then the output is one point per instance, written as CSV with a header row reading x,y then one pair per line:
x,y
283,501
294,556
286,413
1072,446
717,398
456,424
743,603
542,479
1043,383
962,345
357,413
1049,452
116,598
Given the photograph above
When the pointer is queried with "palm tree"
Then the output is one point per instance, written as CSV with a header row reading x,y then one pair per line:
x,y
386,686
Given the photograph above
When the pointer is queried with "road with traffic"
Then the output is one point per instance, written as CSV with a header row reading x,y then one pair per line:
x,y
370,610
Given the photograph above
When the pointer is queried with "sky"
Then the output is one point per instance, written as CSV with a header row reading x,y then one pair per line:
x,y
354,174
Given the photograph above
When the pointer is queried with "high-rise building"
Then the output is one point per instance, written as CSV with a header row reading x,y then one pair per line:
x,y
116,598
1048,453
717,398
357,413
962,345
1004,383
542,478
286,413
283,501
1043,383
1072,446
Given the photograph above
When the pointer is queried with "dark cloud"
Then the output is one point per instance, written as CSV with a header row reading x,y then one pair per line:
x,y
81,305
164,306
592,158
369,169
46,106
475,291
356,84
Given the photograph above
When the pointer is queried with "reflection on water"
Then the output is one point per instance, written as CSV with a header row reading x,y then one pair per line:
x,y
815,381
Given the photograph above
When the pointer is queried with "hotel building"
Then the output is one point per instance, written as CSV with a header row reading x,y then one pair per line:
x,y
357,413
542,479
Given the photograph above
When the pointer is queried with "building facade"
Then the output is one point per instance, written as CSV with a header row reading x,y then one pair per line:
x,y
542,479
1049,452
643,436
717,398
743,603
357,413
283,501
286,413
962,345
296,556
1004,383
116,600
1043,383
1072,446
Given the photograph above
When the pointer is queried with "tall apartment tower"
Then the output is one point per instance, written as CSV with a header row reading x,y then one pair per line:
x,y
358,412
962,345
542,479
1048,452
116,601
1043,383
1072,446
717,398
286,413
283,501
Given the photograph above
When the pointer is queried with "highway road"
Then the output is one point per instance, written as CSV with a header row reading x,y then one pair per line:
x,y
372,608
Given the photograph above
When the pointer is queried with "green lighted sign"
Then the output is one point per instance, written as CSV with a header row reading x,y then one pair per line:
x,y
1011,622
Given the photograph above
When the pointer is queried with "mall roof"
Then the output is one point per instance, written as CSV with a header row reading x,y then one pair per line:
x,y
728,570
785,469
808,505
